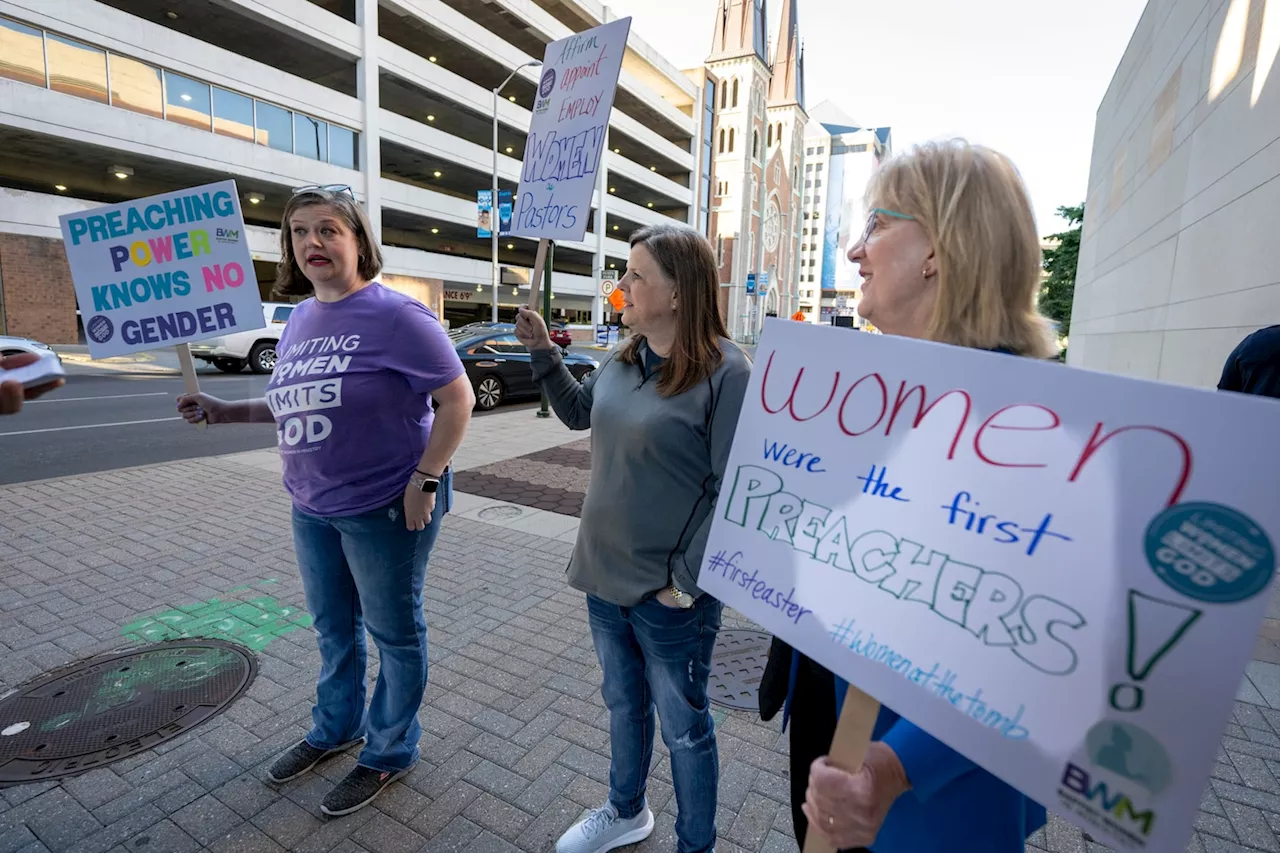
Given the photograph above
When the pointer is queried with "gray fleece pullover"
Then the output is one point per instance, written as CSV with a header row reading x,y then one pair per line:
x,y
656,467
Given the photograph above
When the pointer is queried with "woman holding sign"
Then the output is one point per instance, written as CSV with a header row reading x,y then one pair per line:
x,y
662,409
367,464
950,253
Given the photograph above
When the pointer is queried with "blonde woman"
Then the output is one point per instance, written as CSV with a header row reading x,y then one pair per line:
x,y
949,254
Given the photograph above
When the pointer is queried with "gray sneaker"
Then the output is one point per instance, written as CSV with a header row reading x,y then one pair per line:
x,y
301,757
603,830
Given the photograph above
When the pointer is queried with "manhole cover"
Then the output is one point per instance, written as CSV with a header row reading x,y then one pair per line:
x,y
494,513
737,665
111,707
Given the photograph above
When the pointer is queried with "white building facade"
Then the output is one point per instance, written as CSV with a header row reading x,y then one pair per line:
x,y
839,158
101,102
1177,254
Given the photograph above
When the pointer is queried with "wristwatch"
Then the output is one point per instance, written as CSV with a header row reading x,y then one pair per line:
x,y
424,482
682,598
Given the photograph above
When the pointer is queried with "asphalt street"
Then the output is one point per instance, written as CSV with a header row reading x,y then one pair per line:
x,y
104,419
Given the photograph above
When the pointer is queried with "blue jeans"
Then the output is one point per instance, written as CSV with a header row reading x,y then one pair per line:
x,y
367,571
657,655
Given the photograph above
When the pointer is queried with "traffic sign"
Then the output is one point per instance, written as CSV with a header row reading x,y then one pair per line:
x,y
607,287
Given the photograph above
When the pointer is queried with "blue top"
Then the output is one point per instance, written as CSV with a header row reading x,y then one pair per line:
x,y
953,804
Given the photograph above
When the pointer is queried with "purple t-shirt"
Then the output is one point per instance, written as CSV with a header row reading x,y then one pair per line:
x,y
351,397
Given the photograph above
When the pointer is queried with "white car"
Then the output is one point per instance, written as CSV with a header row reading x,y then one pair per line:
x,y
16,346
256,348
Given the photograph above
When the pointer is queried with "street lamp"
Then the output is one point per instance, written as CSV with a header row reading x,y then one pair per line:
x,y
495,218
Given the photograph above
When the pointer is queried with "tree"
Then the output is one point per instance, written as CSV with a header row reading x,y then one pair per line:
x,y
1060,263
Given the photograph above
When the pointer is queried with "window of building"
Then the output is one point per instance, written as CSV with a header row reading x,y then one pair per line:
x,y
310,137
274,127
732,134
187,101
809,151
808,168
755,144
822,149
720,251
136,86
818,168
769,140
232,114
23,50
808,184
724,94
722,139
817,183
734,99
76,68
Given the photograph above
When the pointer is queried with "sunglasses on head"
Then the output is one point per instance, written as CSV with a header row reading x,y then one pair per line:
x,y
325,188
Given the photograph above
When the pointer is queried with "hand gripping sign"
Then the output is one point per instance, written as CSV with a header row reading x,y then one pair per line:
x,y
1060,574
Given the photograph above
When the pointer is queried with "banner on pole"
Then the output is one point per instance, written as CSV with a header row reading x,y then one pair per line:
x,y
1058,573
485,214
164,270
567,132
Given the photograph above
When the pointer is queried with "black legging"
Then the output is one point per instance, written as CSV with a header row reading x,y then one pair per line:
x,y
813,724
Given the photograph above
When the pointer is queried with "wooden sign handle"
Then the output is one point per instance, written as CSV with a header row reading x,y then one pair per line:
x,y
535,280
189,378
848,748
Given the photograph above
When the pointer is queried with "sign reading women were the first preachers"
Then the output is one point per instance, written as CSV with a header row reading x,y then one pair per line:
x,y
1060,574
161,271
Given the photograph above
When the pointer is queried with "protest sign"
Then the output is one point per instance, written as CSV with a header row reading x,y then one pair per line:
x,y
162,271
567,132
1058,573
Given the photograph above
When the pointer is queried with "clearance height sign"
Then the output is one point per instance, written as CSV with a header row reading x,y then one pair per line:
x,y
161,271
1059,574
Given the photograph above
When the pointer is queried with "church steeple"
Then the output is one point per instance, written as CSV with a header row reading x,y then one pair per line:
x,y
742,30
787,86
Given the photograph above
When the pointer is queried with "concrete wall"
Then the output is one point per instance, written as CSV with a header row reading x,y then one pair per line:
x,y
1178,258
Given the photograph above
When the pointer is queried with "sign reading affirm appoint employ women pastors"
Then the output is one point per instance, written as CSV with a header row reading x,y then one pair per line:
x,y
567,132
1058,573
160,271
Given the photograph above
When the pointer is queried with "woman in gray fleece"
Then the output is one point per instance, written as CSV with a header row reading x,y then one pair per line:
x,y
662,409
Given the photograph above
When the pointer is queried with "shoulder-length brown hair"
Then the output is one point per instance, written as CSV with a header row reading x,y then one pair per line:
x,y
974,207
689,263
290,280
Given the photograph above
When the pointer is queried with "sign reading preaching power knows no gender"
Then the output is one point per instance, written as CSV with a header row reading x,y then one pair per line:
x,y
1059,574
567,132
165,270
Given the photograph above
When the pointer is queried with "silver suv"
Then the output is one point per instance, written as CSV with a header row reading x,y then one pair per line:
x,y
256,347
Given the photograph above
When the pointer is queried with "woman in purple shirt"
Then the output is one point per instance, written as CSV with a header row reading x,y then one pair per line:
x,y
366,461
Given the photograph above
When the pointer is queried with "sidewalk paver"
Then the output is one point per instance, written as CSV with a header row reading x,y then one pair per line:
x,y
515,737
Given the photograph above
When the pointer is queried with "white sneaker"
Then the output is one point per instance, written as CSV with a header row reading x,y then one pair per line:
x,y
603,830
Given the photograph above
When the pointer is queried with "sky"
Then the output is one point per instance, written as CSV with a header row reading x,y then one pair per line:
x,y
1024,77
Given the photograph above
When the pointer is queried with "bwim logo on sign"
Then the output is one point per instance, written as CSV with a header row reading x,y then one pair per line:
x,y
227,235
545,88
1109,803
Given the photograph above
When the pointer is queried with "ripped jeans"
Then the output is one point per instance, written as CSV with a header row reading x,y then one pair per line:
x,y
653,655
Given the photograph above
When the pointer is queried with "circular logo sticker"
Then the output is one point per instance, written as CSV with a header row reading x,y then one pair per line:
x,y
100,329
1210,552
548,82
1130,753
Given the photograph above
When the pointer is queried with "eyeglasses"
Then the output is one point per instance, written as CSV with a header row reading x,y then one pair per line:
x,y
326,188
877,212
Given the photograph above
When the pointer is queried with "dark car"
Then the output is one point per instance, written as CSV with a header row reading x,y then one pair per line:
x,y
498,364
